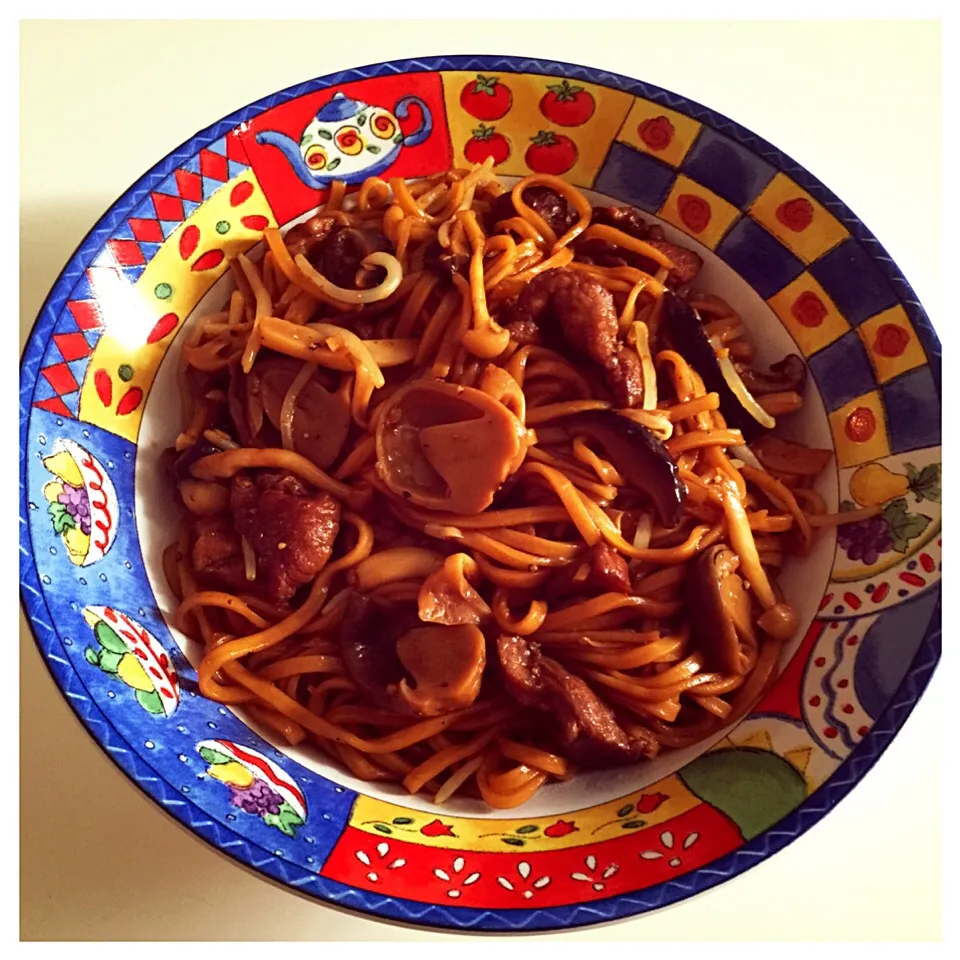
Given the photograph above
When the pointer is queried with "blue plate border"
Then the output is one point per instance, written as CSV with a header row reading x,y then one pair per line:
x,y
850,772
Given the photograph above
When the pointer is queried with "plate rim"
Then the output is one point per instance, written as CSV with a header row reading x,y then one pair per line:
x,y
390,908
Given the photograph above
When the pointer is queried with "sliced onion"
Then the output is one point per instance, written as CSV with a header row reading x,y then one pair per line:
x,y
742,452
249,560
740,391
641,539
642,338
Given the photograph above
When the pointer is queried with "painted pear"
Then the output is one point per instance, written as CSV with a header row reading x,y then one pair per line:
x,y
873,483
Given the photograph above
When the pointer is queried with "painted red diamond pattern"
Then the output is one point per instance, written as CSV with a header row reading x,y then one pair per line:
x,y
147,231
86,313
167,207
54,405
60,378
126,252
190,185
72,346
214,165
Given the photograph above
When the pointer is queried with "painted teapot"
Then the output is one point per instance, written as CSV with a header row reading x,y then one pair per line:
x,y
349,140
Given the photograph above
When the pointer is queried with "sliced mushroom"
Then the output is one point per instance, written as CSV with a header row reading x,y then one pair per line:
x,y
586,726
447,447
783,456
180,465
204,498
739,408
415,669
369,651
720,610
446,664
447,596
789,375
639,456
321,419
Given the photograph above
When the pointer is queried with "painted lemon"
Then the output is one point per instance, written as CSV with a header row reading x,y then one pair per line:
x,y
232,773
52,491
873,483
132,674
63,465
77,543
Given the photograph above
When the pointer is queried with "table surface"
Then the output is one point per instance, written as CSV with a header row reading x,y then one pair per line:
x,y
858,104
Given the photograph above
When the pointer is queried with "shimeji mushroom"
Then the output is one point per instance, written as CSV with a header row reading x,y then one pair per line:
x,y
425,670
720,611
447,447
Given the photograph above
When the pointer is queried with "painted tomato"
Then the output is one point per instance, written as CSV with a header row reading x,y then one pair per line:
x,y
486,98
808,309
861,425
551,153
796,214
891,340
694,211
656,132
486,142
567,105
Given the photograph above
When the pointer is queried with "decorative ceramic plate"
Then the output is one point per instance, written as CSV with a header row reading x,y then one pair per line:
x,y
97,386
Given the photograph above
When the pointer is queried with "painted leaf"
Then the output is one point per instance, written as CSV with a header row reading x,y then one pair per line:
x,y
372,148
108,637
286,819
150,701
213,756
527,828
633,824
402,821
902,525
926,484
625,811
109,661
334,163
382,827
513,841
62,521
92,657
325,134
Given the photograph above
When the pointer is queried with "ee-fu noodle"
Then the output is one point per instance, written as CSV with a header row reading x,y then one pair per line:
x,y
468,505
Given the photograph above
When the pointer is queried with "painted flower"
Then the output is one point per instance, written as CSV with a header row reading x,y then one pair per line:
x,y
796,214
649,802
437,828
560,829
891,340
382,849
668,844
694,211
808,309
524,872
452,877
656,132
595,877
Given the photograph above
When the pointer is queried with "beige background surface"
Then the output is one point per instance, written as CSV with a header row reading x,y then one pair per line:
x,y
857,104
